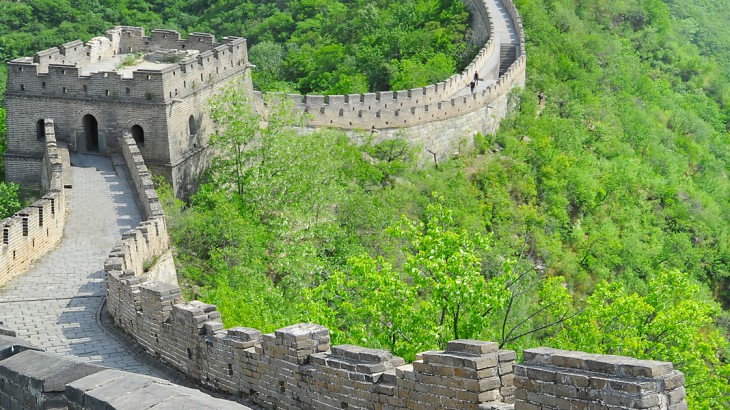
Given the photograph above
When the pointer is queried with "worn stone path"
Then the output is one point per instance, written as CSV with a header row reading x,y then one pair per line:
x,y
505,35
55,304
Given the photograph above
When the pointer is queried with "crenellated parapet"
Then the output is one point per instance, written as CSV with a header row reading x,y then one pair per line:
x,y
33,231
155,87
424,105
558,379
36,380
144,188
126,65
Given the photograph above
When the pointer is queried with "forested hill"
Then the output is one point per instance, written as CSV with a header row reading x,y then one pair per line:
x,y
595,220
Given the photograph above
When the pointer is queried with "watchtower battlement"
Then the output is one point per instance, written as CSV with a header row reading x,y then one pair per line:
x,y
154,87
127,65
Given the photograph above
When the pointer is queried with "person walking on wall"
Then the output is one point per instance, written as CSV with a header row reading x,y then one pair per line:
x,y
476,77
471,86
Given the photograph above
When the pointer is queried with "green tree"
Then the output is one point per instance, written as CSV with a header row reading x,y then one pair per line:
x,y
9,202
439,293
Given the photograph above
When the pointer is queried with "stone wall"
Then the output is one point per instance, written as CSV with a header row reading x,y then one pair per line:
x,y
32,379
145,249
427,117
296,367
64,71
144,189
35,230
551,379
166,101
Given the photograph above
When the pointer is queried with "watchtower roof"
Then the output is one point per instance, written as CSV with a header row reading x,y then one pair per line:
x,y
126,64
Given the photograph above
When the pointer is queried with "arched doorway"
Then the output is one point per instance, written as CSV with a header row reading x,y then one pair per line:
x,y
138,135
91,133
40,130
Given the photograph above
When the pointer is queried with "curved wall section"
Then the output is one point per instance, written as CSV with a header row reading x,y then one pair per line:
x,y
439,117
35,230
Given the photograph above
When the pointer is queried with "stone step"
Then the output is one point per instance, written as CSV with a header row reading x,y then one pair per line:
x,y
507,56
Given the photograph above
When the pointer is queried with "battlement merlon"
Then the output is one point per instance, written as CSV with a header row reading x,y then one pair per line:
x,y
126,65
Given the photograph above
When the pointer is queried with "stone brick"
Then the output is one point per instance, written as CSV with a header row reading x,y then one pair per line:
x,y
475,347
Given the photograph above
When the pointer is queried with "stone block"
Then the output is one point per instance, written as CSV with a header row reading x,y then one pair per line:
x,y
507,356
128,391
645,368
44,372
475,347
10,346
245,333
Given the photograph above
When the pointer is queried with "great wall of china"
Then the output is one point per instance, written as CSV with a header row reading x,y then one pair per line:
x,y
296,366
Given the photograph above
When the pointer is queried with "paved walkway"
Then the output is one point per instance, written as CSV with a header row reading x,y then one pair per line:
x,y
505,35
55,304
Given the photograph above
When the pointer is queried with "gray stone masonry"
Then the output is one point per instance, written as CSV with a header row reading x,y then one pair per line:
x,y
55,304
37,380
557,379
31,380
114,389
11,345
155,87
35,230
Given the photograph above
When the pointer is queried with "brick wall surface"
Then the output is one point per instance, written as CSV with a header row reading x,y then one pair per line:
x,y
33,231
31,379
551,379
60,83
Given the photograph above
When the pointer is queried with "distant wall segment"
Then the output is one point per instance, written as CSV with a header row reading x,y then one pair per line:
x,y
437,117
35,230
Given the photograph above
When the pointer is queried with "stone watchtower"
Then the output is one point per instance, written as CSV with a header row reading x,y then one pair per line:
x,y
153,87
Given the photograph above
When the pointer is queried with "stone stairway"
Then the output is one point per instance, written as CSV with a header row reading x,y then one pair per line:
x,y
507,56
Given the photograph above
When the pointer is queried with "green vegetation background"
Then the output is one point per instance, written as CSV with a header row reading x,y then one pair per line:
x,y
596,221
